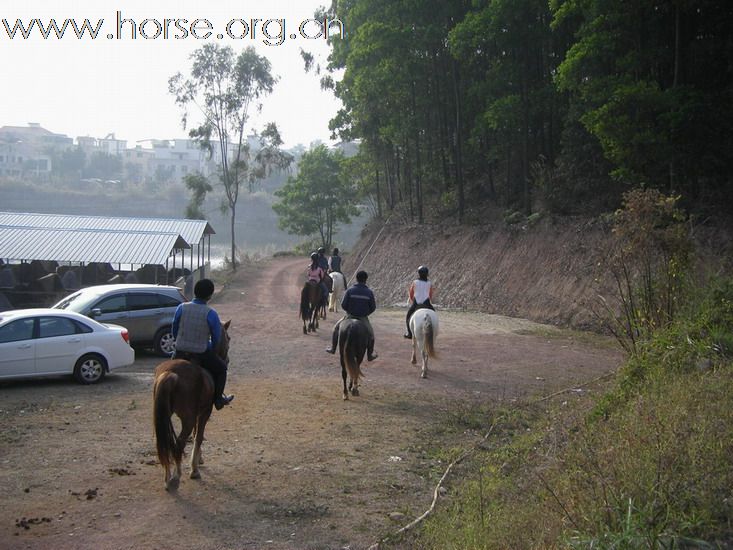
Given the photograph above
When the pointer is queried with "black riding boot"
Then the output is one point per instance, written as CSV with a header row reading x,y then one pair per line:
x,y
334,340
371,356
408,333
221,400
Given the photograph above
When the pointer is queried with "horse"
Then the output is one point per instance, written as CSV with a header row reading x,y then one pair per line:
x,y
186,389
424,327
310,301
339,287
353,342
328,281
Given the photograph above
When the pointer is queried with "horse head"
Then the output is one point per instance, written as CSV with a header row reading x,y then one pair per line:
x,y
222,347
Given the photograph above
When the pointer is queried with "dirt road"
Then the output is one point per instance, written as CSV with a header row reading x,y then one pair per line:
x,y
289,464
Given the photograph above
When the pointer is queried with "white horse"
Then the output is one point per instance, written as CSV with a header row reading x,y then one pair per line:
x,y
339,287
424,327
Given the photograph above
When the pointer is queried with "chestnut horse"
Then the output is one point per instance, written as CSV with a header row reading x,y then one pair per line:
x,y
424,327
310,302
187,390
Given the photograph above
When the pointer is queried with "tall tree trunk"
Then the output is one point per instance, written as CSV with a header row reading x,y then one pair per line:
x,y
459,150
233,210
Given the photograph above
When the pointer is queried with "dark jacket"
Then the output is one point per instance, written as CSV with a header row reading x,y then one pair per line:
x,y
359,301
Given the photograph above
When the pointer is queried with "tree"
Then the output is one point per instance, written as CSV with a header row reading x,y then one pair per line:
x,y
223,87
318,198
199,186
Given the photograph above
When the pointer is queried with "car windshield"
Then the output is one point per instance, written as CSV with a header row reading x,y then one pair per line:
x,y
76,302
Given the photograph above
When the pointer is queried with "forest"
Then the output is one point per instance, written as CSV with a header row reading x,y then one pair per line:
x,y
527,106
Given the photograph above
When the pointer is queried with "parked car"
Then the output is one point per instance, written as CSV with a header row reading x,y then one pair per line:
x,y
44,341
146,311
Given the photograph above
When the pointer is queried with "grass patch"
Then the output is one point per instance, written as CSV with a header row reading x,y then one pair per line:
x,y
650,465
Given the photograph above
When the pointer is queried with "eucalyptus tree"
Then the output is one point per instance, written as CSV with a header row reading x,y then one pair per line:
x,y
223,87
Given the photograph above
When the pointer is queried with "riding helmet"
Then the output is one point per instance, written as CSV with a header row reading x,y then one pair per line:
x,y
314,256
203,289
422,270
321,250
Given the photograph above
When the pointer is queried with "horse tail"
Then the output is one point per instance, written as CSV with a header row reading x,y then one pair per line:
x,y
350,352
304,304
165,436
429,336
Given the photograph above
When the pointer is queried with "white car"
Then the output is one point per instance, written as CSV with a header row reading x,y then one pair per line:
x,y
44,341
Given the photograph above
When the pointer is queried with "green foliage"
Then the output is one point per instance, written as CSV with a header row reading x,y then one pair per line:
x,y
652,471
199,186
649,265
223,86
316,200
462,98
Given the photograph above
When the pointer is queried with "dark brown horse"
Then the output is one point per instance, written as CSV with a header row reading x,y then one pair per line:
x,y
310,302
187,390
353,342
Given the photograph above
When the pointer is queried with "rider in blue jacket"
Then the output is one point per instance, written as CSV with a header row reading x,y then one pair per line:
x,y
358,303
197,330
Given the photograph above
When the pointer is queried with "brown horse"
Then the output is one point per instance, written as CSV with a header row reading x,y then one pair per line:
x,y
353,342
187,390
310,301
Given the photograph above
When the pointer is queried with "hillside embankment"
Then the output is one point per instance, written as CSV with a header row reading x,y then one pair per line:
x,y
552,272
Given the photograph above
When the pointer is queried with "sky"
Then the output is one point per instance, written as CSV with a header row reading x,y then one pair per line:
x,y
119,84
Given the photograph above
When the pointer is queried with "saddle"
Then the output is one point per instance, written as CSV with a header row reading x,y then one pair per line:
x,y
192,358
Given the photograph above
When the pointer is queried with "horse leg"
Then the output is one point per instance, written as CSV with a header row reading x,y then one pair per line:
x,y
413,360
424,373
343,375
196,458
186,428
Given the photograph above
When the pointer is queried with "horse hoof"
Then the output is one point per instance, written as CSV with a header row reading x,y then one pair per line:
x,y
172,484
355,392
346,396
423,375
195,474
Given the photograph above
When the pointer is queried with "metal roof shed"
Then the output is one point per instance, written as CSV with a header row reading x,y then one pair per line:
x,y
197,233
88,245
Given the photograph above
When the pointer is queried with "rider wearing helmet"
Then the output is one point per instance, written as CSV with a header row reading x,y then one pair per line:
x,y
316,273
322,260
327,283
358,303
421,292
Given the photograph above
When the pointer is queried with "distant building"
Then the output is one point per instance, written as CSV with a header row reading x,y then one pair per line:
x,y
26,151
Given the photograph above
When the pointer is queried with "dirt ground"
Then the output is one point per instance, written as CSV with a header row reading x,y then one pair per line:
x,y
289,464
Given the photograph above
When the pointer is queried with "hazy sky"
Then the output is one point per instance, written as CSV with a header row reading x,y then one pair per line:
x,y
109,84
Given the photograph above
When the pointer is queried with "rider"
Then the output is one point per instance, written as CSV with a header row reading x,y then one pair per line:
x,y
421,292
358,303
323,263
322,260
316,273
334,262
197,329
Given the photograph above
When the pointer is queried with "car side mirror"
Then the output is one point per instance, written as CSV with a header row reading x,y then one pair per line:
x,y
95,312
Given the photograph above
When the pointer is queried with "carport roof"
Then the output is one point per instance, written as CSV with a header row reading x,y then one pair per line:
x,y
88,245
191,230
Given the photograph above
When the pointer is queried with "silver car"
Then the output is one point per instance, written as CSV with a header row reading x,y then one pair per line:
x,y
146,311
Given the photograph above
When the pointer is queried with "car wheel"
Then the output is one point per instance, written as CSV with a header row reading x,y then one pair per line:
x,y
90,369
164,343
